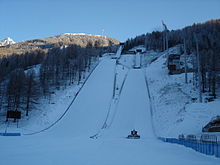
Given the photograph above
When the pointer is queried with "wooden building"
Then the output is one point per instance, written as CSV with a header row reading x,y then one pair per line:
x,y
174,64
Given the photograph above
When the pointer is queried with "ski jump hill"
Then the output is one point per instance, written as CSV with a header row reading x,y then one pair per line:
x,y
110,117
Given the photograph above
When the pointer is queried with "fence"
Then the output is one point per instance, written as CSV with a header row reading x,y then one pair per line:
x,y
208,148
10,134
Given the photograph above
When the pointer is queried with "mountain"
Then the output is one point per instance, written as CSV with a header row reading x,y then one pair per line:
x,y
80,39
7,41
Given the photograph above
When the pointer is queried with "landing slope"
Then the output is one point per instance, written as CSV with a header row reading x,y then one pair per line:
x,y
90,107
133,109
68,142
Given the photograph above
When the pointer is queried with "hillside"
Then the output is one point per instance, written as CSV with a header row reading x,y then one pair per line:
x,y
175,111
207,34
45,44
62,60
87,115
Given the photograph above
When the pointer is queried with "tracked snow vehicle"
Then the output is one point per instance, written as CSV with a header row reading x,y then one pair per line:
x,y
133,135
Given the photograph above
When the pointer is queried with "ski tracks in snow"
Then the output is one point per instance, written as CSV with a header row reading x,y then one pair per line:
x,y
113,106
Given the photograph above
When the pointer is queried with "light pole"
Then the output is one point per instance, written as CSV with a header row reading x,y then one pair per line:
x,y
186,78
165,40
198,68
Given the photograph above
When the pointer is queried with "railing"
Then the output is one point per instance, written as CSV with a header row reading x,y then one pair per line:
x,y
10,134
205,147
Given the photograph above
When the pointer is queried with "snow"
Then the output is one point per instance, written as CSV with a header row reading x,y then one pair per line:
x,y
118,53
135,113
88,111
197,115
174,111
62,47
79,34
47,112
7,41
142,47
69,142
137,60
34,68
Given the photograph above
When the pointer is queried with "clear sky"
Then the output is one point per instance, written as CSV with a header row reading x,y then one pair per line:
x,y
121,19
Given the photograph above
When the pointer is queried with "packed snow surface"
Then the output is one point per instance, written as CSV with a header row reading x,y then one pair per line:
x,y
69,142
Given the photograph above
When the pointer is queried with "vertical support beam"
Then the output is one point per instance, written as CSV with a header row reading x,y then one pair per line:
x,y
165,38
198,67
186,77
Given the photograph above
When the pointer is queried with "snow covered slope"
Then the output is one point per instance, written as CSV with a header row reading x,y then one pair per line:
x,y
174,111
69,142
133,109
89,109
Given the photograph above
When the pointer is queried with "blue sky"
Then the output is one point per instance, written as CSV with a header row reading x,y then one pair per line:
x,y
121,19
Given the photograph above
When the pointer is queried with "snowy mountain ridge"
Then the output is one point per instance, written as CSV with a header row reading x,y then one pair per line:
x,y
7,41
78,34
80,39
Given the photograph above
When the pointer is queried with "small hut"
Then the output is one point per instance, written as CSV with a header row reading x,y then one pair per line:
x,y
174,64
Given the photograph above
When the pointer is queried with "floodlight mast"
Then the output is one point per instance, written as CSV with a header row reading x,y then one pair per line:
x,y
165,37
185,61
198,67
103,31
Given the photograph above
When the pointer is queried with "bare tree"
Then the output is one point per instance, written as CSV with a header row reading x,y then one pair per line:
x,y
15,89
31,91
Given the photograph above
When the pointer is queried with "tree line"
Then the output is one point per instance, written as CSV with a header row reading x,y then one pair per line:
x,y
21,87
208,36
